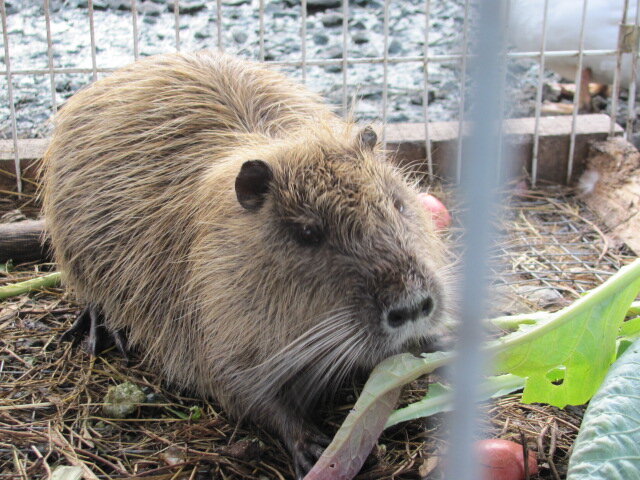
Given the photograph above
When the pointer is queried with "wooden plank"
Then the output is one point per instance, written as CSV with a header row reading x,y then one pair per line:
x,y
28,148
611,188
407,141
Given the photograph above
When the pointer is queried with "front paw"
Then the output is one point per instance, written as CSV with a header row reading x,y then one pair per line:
x,y
306,451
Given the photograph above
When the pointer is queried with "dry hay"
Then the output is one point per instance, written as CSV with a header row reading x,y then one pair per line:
x,y
51,394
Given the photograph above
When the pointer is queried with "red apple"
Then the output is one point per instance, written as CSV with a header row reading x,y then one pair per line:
x,y
503,460
438,211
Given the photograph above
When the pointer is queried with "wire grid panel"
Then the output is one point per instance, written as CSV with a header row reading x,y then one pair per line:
x,y
400,61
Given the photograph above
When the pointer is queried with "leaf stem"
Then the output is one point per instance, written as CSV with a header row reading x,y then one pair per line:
x,y
13,289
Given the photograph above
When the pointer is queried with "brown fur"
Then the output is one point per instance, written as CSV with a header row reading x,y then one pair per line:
x,y
141,209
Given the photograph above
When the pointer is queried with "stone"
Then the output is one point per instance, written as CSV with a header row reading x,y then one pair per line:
x,y
240,36
321,5
112,5
395,47
285,13
202,34
332,20
541,296
333,68
359,38
320,38
418,98
189,7
371,93
334,52
149,9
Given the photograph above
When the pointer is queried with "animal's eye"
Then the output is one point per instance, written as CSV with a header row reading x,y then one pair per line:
x,y
308,235
399,205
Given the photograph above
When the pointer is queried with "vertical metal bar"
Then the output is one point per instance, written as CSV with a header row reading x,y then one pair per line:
x,y
176,16
134,20
261,31
576,98
12,105
616,73
385,73
52,80
303,40
219,19
477,191
92,34
631,107
345,55
536,126
425,93
503,22
463,81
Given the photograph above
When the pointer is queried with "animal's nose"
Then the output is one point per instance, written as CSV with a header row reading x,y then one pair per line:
x,y
400,315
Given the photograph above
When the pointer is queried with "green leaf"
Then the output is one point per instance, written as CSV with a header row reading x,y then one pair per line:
x,y
607,445
630,328
579,340
195,413
351,445
439,398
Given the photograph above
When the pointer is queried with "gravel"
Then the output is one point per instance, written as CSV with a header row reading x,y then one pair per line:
x,y
240,35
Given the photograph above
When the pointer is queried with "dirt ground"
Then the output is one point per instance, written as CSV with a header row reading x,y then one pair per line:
x,y
51,394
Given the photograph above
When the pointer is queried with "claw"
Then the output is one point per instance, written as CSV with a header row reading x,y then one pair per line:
x,y
121,344
90,324
80,327
307,451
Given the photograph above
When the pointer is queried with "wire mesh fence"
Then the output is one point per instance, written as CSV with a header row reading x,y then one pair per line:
x,y
386,61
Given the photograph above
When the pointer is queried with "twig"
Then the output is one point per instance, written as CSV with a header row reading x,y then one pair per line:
x,y
552,450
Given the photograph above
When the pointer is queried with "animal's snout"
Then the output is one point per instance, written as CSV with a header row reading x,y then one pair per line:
x,y
410,312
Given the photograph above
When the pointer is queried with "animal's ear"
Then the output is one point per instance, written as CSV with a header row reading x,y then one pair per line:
x,y
252,183
367,137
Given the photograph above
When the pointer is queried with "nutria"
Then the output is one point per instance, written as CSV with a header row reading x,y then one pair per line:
x,y
254,247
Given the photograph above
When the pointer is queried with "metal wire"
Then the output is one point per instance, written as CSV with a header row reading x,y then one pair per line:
x,y
219,20
350,61
538,107
47,17
576,97
261,31
631,107
303,40
616,74
345,53
12,105
176,14
134,21
385,72
463,82
92,34
425,92
477,191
